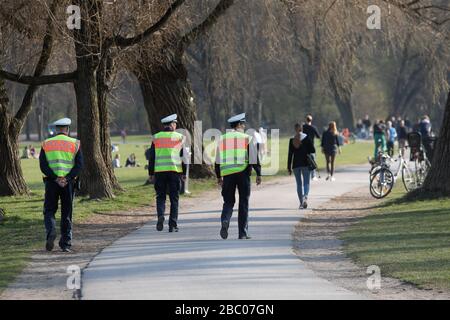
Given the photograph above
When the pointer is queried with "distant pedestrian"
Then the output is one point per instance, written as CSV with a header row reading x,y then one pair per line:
x,y
123,134
391,137
311,133
300,146
367,125
379,136
330,147
402,135
427,137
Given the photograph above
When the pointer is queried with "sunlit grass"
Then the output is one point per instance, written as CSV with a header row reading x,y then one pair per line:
x,y
408,240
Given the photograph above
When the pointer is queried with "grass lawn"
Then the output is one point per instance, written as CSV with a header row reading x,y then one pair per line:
x,y
408,240
23,229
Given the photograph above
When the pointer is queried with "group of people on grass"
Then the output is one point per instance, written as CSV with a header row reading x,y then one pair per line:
x,y
302,155
130,162
29,152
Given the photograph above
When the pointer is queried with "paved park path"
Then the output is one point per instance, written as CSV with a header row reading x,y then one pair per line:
x,y
196,263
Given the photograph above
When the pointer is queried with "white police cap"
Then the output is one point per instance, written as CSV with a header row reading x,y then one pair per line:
x,y
62,122
169,119
237,118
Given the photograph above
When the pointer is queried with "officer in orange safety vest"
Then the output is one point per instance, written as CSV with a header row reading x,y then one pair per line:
x,y
61,162
166,169
235,158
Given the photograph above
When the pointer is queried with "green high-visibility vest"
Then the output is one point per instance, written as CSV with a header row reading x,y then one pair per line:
x,y
60,152
168,145
233,152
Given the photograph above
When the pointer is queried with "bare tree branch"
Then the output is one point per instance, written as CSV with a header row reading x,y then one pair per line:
x,y
39,81
123,42
203,27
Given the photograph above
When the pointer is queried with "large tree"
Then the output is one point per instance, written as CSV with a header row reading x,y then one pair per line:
x,y
95,50
12,181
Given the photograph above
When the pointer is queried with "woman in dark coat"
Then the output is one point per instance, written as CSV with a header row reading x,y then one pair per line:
x,y
330,147
299,147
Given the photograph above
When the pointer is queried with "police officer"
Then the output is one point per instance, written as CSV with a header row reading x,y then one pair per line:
x,y
61,162
236,156
166,168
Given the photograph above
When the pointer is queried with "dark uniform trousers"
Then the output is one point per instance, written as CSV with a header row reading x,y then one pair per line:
x,y
240,180
167,182
53,192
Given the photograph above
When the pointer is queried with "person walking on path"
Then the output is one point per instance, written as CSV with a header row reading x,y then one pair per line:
x,y
311,133
391,136
165,169
379,136
300,146
330,147
235,158
61,162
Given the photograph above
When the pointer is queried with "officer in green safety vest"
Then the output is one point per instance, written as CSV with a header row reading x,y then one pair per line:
x,y
61,162
235,157
165,169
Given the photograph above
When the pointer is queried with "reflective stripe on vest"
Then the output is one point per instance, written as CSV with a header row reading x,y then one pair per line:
x,y
167,151
60,152
233,152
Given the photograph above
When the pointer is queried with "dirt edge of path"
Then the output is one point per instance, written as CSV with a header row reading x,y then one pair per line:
x,y
317,244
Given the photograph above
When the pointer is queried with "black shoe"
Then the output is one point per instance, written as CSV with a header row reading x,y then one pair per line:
x,y
224,229
173,229
49,245
305,204
160,224
66,249
244,237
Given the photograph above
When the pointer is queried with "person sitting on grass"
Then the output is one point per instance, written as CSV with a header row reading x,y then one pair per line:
x,y
131,161
116,161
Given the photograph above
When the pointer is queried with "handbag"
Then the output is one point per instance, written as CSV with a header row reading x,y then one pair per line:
x,y
312,165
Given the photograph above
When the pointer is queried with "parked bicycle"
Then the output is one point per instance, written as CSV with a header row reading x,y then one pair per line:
x,y
383,178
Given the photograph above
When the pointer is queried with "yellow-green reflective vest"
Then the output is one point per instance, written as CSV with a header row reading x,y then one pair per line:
x,y
168,145
60,152
233,152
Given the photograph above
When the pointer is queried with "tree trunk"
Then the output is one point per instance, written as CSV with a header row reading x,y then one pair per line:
x,y
96,180
346,110
437,181
11,177
166,90
96,176
343,99
103,76
93,120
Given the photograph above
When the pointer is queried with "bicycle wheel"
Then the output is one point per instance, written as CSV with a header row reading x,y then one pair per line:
x,y
409,179
381,183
